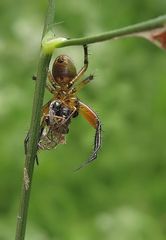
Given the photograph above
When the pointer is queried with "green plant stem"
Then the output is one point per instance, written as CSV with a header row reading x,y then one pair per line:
x,y
34,131
50,42
136,28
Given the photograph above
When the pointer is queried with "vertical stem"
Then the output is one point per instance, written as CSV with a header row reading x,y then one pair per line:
x,y
34,130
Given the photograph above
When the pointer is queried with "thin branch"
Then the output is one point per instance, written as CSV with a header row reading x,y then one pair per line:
x,y
49,42
34,130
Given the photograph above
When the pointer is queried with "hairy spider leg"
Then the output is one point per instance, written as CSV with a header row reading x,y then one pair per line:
x,y
85,81
83,69
94,121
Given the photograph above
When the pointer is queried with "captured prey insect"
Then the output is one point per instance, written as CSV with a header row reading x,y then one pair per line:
x,y
63,82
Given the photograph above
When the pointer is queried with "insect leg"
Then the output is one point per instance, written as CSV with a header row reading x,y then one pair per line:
x,y
26,140
45,108
94,121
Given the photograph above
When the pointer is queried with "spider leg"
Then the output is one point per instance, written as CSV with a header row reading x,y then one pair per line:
x,y
83,83
84,68
49,84
94,121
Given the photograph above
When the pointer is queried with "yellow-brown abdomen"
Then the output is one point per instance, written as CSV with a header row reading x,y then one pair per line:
x,y
63,70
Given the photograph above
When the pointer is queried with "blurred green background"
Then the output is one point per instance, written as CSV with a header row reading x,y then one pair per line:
x,y
122,195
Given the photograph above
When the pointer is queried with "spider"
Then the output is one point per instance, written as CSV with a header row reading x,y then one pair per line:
x,y
64,83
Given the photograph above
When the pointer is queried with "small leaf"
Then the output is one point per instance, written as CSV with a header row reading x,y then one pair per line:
x,y
156,36
160,37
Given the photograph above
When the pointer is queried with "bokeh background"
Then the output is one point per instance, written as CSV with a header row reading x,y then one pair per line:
x,y
121,196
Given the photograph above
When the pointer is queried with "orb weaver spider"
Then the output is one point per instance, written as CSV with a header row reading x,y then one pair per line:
x,y
63,82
